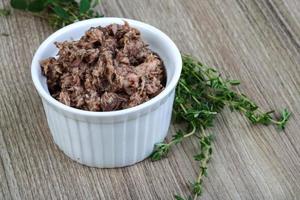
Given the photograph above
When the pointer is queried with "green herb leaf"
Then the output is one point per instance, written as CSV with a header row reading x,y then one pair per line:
x,y
178,197
19,4
197,188
285,115
64,1
61,12
178,136
160,151
234,82
37,5
84,6
199,156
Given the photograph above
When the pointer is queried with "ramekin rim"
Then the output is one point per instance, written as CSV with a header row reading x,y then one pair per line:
x,y
76,111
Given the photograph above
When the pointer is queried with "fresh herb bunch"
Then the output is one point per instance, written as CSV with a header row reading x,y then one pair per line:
x,y
59,13
200,95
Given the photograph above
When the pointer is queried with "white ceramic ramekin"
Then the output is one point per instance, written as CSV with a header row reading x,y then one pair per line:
x,y
116,138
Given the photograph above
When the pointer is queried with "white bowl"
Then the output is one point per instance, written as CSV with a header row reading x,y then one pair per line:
x,y
115,138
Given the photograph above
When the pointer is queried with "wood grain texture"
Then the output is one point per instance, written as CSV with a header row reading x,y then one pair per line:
x,y
256,41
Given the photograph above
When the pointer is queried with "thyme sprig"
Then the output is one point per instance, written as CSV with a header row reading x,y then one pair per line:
x,y
200,95
59,13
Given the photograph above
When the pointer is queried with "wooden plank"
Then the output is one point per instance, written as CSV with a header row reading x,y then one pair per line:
x,y
251,40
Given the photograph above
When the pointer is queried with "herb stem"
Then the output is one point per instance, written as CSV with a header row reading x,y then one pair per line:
x,y
275,121
206,151
191,133
183,108
195,99
186,88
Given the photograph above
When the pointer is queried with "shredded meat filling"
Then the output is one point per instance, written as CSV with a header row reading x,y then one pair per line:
x,y
109,68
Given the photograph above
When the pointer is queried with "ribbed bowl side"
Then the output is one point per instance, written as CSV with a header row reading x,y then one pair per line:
x,y
108,145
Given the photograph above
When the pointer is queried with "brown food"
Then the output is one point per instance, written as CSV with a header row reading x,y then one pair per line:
x,y
109,68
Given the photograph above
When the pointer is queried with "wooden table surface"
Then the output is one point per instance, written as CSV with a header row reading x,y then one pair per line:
x,y
256,41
